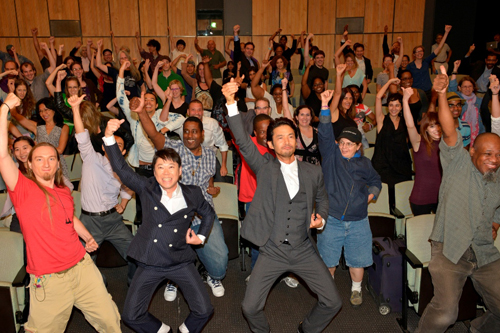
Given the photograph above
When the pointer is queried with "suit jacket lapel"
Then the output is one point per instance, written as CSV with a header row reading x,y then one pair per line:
x,y
276,170
307,186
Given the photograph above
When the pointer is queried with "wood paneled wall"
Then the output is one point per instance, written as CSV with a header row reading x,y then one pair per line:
x,y
151,17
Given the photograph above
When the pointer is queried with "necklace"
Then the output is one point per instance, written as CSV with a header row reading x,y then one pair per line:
x,y
194,170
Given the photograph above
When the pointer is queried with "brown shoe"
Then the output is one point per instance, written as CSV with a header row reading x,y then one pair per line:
x,y
356,298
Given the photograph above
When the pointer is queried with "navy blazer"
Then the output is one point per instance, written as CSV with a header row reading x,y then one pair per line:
x,y
259,221
161,239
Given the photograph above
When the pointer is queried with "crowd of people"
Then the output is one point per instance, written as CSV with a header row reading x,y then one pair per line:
x,y
298,168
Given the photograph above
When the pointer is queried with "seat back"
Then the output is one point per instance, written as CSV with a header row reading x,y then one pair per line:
x,y
226,202
402,193
371,136
77,199
372,87
369,99
74,163
418,230
368,152
381,205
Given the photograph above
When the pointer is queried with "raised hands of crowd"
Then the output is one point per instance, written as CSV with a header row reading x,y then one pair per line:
x,y
229,90
137,104
326,96
75,101
440,84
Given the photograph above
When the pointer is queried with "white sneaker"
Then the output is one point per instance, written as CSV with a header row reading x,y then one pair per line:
x,y
217,287
170,293
291,282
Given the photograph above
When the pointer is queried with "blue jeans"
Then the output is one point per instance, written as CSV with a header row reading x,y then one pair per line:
x,y
214,253
354,236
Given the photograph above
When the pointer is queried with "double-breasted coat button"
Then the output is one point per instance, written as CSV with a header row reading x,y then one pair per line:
x,y
185,216
155,240
159,225
156,208
175,230
169,245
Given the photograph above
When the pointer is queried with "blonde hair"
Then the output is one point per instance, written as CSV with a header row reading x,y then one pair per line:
x,y
133,70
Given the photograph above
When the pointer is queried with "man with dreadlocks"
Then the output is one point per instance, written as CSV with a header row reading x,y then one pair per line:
x,y
62,273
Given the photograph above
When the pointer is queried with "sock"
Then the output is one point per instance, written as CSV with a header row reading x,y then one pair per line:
x,y
356,286
183,328
164,328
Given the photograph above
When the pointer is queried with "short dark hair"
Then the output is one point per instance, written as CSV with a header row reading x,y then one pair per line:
x,y
395,97
358,89
319,52
154,43
277,123
195,120
259,118
492,54
400,73
106,50
12,61
167,154
180,42
284,36
250,43
26,63
356,45
195,101
276,86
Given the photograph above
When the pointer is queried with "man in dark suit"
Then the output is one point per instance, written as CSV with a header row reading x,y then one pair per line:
x,y
280,220
246,57
162,244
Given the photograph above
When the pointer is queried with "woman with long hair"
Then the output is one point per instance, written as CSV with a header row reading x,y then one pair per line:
x,y
354,74
391,157
279,72
27,107
172,98
342,105
428,172
49,128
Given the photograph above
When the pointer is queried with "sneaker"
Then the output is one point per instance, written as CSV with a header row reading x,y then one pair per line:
x,y
217,287
170,293
356,298
291,282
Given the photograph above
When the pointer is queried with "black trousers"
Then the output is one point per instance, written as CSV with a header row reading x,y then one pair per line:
x,y
146,280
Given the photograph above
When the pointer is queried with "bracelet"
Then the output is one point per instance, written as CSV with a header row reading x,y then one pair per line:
x,y
7,105
325,106
454,73
494,94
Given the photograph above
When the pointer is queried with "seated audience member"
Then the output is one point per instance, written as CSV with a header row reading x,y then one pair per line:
x,y
177,49
101,211
216,59
250,99
62,274
311,92
342,105
428,171
11,72
49,128
480,70
200,85
27,107
463,246
162,79
466,89
172,97
229,72
347,227
404,62
391,158
358,50
419,103
420,66
443,57
163,253
288,52
199,169
353,74
317,69
153,53
11,55
390,70
37,83
362,112
279,72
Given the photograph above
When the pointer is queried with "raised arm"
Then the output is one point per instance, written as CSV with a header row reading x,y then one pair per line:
x,y
75,102
49,83
8,168
305,89
456,66
334,110
495,104
275,34
197,47
115,46
188,79
147,124
39,52
166,98
410,125
207,71
286,110
340,51
385,46
447,29
30,125
257,90
173,65
227,49
379,115
307,57
98,61
138,42
158,90
446,120
401,52
171,44
145,73
51,58
94,70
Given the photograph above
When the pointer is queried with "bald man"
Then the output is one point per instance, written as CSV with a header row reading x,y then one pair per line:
x,y
217,60
466,225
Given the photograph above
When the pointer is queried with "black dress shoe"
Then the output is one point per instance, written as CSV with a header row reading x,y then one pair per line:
x,y
299,329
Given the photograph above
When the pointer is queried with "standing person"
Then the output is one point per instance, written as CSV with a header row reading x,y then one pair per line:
x,y
153,53
162,245
101,211
244,55
280,220
199,168
391,157
217,60
466,224
163,74
62,274
428,172
177,49
419,67
351,183
353,75
443,57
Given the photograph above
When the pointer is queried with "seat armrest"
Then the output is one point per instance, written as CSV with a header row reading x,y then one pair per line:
x,y
18,280
396,212
411,258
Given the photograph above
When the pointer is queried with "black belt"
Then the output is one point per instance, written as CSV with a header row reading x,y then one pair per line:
x,y
107,212
146,166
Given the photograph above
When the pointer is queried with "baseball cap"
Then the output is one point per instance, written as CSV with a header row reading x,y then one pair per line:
x,y
350,133
451,96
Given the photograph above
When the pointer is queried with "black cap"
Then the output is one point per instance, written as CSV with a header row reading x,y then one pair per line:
x,y
350,133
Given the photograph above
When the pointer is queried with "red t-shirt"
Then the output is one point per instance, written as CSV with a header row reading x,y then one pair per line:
x,y
248,181
51,246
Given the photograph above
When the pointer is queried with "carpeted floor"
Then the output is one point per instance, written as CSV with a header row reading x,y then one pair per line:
x,y
285,307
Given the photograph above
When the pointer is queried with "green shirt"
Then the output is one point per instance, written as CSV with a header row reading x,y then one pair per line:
x,y
467,207
217,58
163,82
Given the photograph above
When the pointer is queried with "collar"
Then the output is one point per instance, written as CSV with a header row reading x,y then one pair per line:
x,y
291,166
176,194
358,154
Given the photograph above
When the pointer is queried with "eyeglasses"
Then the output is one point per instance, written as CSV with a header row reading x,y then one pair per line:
x,y
262,108
346,143
175,89
318,85
451,106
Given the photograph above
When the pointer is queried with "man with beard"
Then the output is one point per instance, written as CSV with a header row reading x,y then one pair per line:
x,y
462,237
